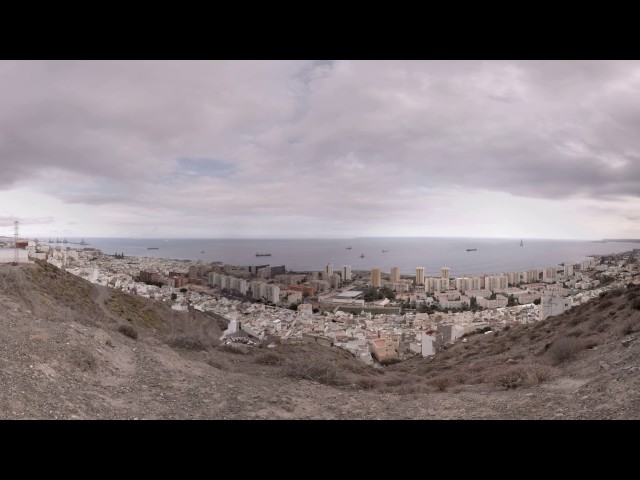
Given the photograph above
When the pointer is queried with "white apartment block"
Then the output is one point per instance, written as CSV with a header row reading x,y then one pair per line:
x,y
568,270
273,293
553,304
328,270
496,282
419,275
587,264
434,284
533,276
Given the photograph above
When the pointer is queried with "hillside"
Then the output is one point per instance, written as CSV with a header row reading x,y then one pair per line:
x,y
70,349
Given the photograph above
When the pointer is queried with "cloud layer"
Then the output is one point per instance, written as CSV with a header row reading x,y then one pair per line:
x,y
288,148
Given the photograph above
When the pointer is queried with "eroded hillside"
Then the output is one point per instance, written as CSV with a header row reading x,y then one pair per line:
x,y
70,349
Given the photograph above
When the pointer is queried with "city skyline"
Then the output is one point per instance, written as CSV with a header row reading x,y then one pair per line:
x,y
328,149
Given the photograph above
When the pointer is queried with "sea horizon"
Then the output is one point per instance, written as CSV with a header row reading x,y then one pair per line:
x,y
463,255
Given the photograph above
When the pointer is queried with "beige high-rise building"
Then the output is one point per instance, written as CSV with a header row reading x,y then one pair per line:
x,y
419,275
549,274
395,275
328,269
445,273
568,269
376,279
346,273
445,277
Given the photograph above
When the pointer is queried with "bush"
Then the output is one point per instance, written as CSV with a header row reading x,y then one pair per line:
x,y
629,328
269,358
564,349
128,330
636,304
187,342
321,372
367,383
522,376
604,305
232,349
441,383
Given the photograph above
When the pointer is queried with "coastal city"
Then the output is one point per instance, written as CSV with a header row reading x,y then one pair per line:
x,y
379,317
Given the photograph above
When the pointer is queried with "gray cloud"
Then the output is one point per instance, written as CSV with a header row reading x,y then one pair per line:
x,y
9,221
326,140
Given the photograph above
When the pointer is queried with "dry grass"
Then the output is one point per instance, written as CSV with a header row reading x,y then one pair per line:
x,y
564,349
134,309
269,358
317,371
441,383
84,360
128,330
187,342
522,376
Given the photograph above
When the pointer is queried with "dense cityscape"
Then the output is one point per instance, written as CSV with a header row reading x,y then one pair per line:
x,y
377,316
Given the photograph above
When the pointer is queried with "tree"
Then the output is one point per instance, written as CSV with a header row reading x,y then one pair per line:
x,y
183,290
493,296
174,296
512,301
473,303
536,301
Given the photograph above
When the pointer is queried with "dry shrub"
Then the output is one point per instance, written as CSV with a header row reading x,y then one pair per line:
x,y
409,388
232,349
636,304
393,382
604,305
590,340
616,292
367,383
84,360
217,363
564,349
187,342
602,327
320,371
629,327
632,295
270,358
441,383
128,330
575,333
522,376
622,306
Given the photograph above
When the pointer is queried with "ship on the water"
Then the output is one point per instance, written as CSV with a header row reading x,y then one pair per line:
x,y
263,254
153,248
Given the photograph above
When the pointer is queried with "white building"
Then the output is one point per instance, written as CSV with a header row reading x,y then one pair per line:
x,y
328,270
553,304
419,275
568,270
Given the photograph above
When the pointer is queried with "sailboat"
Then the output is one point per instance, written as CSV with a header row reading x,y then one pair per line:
x,y
521,243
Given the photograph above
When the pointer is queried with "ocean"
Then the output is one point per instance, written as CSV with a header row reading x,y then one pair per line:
x,y
491,256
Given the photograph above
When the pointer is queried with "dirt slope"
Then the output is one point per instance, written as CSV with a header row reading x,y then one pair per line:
x,y
67,351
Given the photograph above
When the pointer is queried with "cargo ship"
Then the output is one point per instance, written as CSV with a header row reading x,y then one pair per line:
x,y
263,254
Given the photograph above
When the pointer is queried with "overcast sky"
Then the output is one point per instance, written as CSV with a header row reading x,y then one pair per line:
x,y
534,149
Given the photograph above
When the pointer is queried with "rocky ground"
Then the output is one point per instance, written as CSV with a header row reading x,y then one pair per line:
x,y
73,350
